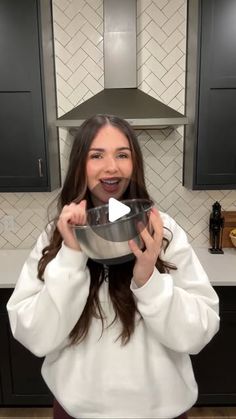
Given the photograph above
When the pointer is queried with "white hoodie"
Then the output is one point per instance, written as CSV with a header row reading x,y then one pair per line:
x,y
151,376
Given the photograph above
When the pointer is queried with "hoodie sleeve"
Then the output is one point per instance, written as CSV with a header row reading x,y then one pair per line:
x,y
43,313
180,308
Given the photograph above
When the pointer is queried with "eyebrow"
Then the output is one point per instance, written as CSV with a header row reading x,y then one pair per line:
x,y
103,149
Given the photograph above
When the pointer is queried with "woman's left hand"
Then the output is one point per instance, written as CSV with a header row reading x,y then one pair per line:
x,y
146,260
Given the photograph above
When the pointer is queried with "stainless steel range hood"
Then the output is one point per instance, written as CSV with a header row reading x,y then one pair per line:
x,y
121,96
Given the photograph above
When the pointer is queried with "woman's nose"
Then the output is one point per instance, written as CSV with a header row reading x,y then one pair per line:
x,y
111,164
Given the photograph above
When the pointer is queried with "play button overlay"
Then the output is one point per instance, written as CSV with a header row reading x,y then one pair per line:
x,y
120,218
117,209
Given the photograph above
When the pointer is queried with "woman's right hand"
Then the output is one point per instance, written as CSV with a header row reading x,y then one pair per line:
x,y
71,214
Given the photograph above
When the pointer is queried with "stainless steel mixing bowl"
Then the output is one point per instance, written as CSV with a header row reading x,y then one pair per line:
x,y
107,242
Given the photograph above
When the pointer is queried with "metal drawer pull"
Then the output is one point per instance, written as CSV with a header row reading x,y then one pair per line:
x,y
40,162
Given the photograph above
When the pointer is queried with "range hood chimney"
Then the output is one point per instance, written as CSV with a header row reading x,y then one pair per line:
x,y
121,97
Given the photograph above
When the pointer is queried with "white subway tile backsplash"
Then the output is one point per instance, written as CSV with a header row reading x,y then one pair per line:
x,y
171,92
77,96
143,72
154,179
3,242
24,232
28,242
62,4
60,17
92,51
65,104
173,23
142,22
156,194
77,60
61,51
91,16
10,239
91,33
156,84
73,8
171,75
75,24
95,4
77,77
142,40
63,70
22,218
172,7
142,5
156,14
155,148
172,41
183,221
92,68
172,58
156,67
62,36
169,171
92,84
142,58
156,32
176,104
63,86
182,44
74,44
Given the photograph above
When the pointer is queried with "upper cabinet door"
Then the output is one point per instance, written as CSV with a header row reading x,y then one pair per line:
x,y
216,157
24,151
210,151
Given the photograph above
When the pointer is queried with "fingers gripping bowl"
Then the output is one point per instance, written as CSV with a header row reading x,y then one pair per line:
x,y
107,242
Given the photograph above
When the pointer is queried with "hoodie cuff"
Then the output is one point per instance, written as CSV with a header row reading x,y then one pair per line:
x,y
71,258
157,284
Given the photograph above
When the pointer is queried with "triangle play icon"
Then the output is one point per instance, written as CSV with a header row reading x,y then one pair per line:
x,y
116,209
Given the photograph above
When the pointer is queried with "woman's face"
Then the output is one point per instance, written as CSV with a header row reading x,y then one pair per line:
x,y
109,165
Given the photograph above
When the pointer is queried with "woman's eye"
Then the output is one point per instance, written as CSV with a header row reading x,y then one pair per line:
x,y
122,156
96,156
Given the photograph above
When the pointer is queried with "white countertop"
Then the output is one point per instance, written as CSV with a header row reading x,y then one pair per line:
x,y
221,269
11,262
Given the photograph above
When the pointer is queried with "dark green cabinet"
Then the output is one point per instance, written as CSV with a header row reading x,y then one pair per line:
x,y
215,365
20,371
209,146
29,149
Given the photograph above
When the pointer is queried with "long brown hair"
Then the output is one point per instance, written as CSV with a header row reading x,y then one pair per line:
x,y
75,189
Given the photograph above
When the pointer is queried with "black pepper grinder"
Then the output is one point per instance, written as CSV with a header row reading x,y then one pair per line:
x,y
216,229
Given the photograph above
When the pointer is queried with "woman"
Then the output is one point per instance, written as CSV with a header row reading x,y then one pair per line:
x,y
116,343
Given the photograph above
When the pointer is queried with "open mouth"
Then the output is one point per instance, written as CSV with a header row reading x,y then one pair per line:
x,y
110,184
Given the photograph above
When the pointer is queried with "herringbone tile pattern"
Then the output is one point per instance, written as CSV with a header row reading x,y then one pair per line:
x,y
161,46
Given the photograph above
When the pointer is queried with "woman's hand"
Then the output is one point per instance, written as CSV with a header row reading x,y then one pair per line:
x,y
146,260
71,214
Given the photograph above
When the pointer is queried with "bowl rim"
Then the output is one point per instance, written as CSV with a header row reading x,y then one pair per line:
x,y
87,226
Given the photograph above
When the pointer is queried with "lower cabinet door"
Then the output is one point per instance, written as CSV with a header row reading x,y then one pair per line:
x,y
215,365
21,380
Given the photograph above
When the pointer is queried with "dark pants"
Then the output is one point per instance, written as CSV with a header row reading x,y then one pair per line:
x,y
59,413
